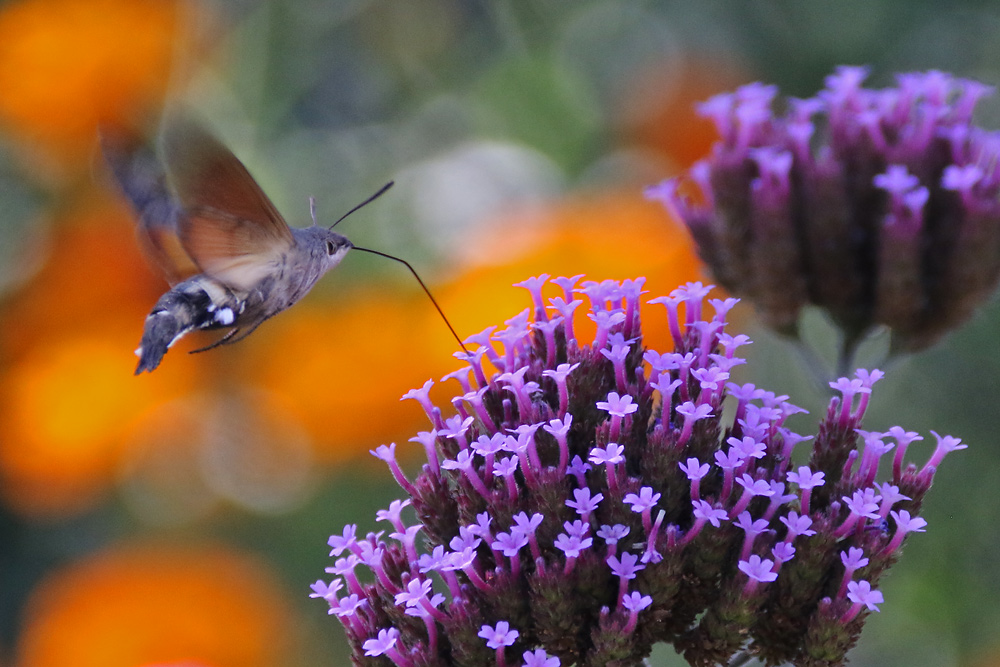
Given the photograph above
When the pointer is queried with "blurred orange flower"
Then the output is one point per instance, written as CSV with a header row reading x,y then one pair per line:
x,y
663,100
67,65
158,605
92,273
68,400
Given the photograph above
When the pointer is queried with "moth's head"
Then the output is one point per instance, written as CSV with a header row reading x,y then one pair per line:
x,y
325,248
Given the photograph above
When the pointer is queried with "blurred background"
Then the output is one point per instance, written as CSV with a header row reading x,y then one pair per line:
x,y
179,517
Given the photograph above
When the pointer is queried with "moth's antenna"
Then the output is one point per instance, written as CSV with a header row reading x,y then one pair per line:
x,y
312,210
364,203
414,272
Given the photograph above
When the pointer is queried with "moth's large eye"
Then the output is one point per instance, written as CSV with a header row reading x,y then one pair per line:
x,y
329,247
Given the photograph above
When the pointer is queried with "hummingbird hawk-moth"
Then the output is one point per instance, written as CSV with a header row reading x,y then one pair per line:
x,y
230,257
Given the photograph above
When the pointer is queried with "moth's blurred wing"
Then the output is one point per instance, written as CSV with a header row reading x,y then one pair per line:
x,y
141,178
230,249
229,228
162,244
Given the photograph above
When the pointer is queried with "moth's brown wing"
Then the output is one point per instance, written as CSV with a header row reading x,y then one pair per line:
x,y
230,249
163,246
229,228
141,178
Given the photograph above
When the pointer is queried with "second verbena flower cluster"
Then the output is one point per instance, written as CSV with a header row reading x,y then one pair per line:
x,y
591,498
880,206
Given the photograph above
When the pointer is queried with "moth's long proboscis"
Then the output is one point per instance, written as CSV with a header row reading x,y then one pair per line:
x,y
419,280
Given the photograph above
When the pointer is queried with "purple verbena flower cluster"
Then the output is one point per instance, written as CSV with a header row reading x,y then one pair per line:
x,y
586,501
879,206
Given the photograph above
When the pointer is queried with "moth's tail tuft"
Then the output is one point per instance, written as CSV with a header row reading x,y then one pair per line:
x,y
160,332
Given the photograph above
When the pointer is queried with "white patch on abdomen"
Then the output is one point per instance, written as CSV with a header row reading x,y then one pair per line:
x,y
224,316
222,302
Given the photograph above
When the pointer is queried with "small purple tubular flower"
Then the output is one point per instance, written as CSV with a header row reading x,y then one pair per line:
x,y
757,569
539,658
600,503
878,205
499,636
